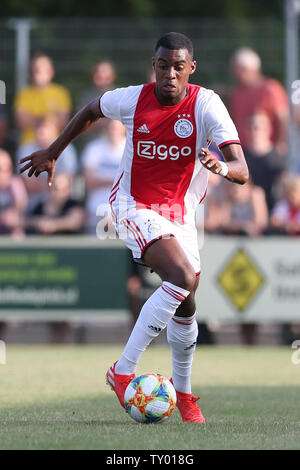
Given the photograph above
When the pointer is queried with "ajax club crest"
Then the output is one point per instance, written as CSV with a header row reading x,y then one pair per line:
x,y
183,127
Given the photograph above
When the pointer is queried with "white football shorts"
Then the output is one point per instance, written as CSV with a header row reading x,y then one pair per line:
x,y
139,228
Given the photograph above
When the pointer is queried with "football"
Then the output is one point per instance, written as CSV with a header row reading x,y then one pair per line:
x,y
150,398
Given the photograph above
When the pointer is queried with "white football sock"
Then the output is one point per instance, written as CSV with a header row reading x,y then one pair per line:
x,y
154,316
182,335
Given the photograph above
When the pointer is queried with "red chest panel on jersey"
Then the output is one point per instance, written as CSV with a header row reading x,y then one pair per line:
x,y
164,142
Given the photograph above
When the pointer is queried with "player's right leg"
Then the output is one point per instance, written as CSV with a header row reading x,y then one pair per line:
x,y
161,252
151,238
166,257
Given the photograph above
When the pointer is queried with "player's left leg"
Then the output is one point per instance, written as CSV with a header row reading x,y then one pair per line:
x,y
182,332
167,258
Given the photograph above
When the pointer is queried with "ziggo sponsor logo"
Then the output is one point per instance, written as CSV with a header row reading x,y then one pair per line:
x,y
149,149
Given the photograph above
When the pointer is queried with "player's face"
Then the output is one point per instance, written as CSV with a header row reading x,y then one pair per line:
x,y
172,70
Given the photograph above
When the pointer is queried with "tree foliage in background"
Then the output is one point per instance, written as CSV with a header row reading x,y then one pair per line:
x,y
150,8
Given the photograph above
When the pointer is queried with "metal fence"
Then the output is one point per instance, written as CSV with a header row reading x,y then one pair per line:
x,y
76,44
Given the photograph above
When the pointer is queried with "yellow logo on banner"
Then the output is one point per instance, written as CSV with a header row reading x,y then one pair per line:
x,y
240,280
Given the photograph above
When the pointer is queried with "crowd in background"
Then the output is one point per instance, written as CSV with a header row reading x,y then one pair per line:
x,y
268,204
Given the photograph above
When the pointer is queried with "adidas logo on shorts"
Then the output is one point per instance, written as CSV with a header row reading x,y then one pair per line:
x,y
154,328
190,347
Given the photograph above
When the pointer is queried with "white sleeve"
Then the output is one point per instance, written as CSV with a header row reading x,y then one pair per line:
x,y
110,103
120,103
218,125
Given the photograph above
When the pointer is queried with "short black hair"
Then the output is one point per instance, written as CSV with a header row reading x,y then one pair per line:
x,y
175,41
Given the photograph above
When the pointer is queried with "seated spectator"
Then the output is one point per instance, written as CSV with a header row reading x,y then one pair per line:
x,y
58,214
245,211
13,198
285,220
103,77
256,91
285,217
264,163
41,98
100,160
37,188
213,201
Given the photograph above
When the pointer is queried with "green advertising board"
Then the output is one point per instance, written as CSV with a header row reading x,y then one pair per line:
x,y
61,277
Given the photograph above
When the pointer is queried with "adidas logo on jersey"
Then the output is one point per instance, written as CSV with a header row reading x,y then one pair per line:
x,y
143,128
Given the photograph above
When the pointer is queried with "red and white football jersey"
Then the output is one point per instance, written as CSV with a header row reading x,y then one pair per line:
x,y
160,168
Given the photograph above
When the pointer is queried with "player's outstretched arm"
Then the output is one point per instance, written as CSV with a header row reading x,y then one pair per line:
x,y
45,160
234,167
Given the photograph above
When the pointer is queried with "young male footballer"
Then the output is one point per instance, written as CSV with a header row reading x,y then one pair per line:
x,y
161,180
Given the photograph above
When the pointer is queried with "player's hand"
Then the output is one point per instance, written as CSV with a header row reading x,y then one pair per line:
x,y
39,161
210,161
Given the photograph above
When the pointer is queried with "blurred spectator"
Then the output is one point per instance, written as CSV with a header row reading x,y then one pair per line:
x,y
37,188
213,204
245,211
3,125
40,99
100,160
264,163
59,214
255,92
103,77
285,220
285,217
212,220
13,198
13,201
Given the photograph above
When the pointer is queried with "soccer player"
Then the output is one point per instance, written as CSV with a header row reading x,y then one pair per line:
x,y
162,178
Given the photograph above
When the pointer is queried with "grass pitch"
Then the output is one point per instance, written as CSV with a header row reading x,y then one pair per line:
x,y
56,398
